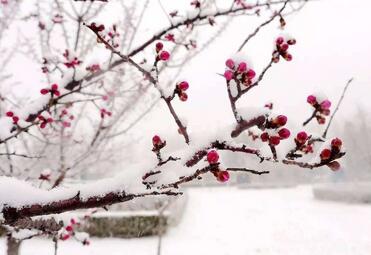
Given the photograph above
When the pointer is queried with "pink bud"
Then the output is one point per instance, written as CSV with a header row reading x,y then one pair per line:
x,y
281,120
242,67
9,114
264,137
274,140
212,157
164,55
183,85
183,96
15,119
284,133
159,46
156,140
291,41
288,57
54,87
325,154
250,74
229,63
334,165
44,91
302,136
326,104
279,40
284,47
223,176
65,237
311,99
228,75
336,143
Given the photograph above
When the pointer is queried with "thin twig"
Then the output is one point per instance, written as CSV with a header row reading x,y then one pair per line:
x,y
337,106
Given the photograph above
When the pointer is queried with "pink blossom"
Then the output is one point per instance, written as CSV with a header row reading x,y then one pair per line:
x,y
228,75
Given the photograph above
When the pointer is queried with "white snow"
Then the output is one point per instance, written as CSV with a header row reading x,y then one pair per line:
x,y
231,221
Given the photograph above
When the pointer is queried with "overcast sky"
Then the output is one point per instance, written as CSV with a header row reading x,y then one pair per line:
x,y
334,44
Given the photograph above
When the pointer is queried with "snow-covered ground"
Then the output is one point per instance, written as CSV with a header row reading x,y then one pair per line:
x,y
244,222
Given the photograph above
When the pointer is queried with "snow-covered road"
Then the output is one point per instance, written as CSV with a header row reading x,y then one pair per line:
x,y
221,221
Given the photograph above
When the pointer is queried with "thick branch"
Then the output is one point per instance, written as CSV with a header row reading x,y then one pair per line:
x,y
12,214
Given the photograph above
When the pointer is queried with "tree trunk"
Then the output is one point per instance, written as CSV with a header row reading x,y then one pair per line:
x,y
12,246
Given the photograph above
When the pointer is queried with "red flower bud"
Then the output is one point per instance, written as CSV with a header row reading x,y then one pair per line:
x,y
9,114
212,157
311,99
156,140
229,63
223,176
280,40
54,87
228,75
242,67
284,47
325,154
264,136
164,55
337,143
274,140
284,133
183,96
291,41
281,120
301,137
183,85
15,119
44,91
250,74
334,165
159,46
325,105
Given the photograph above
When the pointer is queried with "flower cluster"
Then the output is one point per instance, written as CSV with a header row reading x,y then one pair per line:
x,y
70,231
213,159
113,36
93,68
66,118
275,132
240,72
281,49
331,153
180,89
15,118
321,107
104,112
71,60
96,28
303,143
161,54
44,120
53,90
